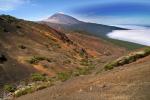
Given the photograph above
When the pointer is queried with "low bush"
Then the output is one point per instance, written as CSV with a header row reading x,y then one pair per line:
x,y
31,88
9,88
23,91
38,77
109,66
82,71
147,51
63,76
127,59
36,59
85,62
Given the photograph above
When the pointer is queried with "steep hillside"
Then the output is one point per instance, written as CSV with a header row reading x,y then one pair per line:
x,y
28,47
126,82
97,45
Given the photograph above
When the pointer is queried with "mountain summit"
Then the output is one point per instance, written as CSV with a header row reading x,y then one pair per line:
x,y
61,18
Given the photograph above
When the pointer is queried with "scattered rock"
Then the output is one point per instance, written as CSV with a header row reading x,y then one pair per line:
x,y
2,58
91,88
80,90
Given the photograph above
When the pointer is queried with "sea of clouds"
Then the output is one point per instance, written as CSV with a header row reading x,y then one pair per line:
x,y
136,34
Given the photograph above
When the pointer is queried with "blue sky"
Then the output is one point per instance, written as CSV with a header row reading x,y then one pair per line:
x,y
99,11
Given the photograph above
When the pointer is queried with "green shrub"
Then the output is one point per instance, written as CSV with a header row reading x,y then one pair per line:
x,y
128,59
38,77
147,51
36,59
81,71
23,91
31,88
9,88
82,53
63,76
109,67
85,62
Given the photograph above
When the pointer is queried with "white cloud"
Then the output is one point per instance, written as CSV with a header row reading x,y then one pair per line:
x,y
6,5
140,36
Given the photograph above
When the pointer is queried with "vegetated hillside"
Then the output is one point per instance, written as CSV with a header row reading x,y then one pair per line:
x,y
27,47
68,24
128,81
96,44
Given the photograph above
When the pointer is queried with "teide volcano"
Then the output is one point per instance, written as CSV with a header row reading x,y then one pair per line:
x,y
61,18
67,23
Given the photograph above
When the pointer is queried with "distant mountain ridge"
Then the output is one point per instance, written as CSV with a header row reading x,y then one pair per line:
x,y
68,23
61,18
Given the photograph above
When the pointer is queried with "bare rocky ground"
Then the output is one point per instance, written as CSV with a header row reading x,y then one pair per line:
x,y
128,82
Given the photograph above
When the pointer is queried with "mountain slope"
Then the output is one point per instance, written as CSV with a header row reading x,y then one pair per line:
x,y
23,42
27,47
128,82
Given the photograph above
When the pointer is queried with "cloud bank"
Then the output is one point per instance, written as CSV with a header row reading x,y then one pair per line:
x,y
135,36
